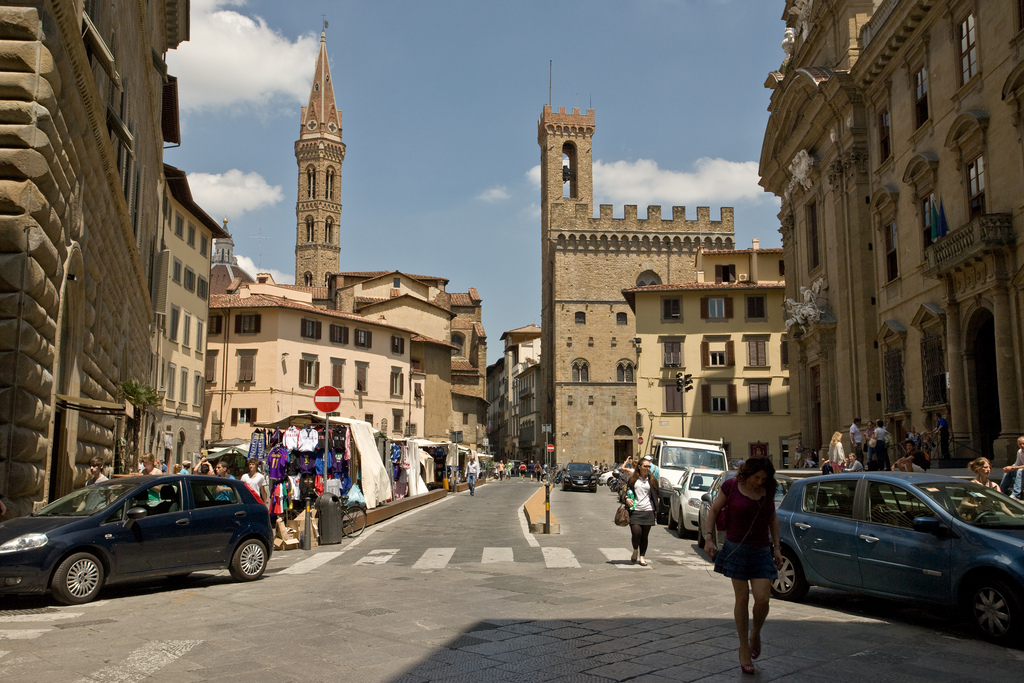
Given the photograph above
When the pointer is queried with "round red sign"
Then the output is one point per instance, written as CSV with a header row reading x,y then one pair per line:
x,y
551,448
326,399
640,440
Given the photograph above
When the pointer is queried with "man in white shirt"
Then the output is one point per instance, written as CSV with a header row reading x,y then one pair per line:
x,y
1012,474
254,479
857,437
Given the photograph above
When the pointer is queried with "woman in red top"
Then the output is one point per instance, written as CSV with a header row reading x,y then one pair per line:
x,y
751,553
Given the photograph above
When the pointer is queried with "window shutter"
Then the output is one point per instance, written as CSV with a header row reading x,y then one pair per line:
x,y
784,352
666,354
211,367
704,308
369,339
705,354
238,323
751,308
234,417
718,273
252,416
257,330
751,353
731,398
730,353
666,309
316,371
705,398
319,329
728,307
731,271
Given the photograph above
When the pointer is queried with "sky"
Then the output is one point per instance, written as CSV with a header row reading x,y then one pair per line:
x,y
440,102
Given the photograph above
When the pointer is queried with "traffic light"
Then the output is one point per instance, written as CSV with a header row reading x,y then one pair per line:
x,y
687,382
679,381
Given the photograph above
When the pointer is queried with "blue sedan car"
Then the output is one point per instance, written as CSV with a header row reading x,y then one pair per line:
x,y
133,528
918,537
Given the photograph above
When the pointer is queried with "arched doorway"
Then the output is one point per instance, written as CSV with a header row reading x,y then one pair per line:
x,y
983,382
623,443
179,450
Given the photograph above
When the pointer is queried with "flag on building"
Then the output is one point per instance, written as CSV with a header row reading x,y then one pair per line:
x,y
943,228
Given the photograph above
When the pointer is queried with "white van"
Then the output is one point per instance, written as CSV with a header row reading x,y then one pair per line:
x,y
674,455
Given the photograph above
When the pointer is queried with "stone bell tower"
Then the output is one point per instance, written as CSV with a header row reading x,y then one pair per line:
x,y
319,153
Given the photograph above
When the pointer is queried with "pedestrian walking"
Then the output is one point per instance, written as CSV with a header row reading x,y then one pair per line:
x,y
836,454
881,459
1011,484
857,438
522,471
942,427
472,472
642,501
751,555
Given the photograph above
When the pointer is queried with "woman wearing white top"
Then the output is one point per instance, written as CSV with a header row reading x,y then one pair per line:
x,y
642,501
836,454
254,479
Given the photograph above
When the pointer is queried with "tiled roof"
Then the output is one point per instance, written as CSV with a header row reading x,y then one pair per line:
x,y
479,398
370,274
462,365
818,74
416,337
772,250
317,292
369,300
528,329
221,301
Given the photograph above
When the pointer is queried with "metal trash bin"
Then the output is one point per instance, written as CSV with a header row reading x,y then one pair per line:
x,y
330,512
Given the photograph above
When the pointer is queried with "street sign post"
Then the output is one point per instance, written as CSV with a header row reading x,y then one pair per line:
x,y
551,448
326,399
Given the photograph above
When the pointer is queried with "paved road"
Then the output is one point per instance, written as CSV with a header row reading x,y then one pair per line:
x,y
457,591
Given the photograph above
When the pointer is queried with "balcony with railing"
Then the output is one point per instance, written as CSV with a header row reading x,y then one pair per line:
x,y
984,233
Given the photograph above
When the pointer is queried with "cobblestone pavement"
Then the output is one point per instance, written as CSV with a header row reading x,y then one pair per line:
x,y
457,591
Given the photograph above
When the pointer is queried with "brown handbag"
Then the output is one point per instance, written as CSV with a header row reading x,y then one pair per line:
x,y
622,516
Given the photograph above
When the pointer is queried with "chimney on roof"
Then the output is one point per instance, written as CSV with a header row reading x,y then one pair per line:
x,y
757,244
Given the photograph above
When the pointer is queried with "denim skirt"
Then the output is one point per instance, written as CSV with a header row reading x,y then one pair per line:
x,y
744,561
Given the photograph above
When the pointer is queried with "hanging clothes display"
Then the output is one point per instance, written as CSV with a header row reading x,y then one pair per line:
x,y
258,444
309,439
291,438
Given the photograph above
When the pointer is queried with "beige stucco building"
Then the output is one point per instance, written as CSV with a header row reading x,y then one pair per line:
x,y
86,119
725,332
895,143
181,296
586,262
513,424
269,349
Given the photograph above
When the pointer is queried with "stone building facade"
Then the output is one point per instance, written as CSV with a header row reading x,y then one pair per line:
x,y
895,143
586,262
86,120
319,153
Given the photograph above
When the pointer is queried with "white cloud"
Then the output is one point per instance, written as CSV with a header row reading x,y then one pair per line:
x,y
494,194
249,266
232,193
643,182
232,59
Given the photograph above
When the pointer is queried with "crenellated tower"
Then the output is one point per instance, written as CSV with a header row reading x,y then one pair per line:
x,y
319,153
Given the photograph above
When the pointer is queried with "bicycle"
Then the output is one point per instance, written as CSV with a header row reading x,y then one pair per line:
x,y
353,519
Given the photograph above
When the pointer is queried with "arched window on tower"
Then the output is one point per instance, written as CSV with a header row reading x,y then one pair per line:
x,y
329,230
569,168
624,372
580,371
310,236
310,182
330,183
307,279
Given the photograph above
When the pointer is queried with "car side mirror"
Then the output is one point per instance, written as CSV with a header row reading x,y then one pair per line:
x,y
929,525
134,514
706,498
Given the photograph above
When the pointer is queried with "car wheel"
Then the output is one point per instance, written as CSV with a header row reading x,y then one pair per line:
x,y
997,609
672,523
78,579
791,584
700,535
250,561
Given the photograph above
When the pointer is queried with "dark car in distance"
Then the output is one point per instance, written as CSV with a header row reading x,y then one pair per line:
x,y
134,528
579,475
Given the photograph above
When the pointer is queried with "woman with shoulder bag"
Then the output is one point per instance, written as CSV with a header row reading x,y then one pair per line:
x,y
751,553
642,501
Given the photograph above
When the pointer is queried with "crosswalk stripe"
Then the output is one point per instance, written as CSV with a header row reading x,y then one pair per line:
x,y
434,558
142,663
379,556
309,564
618,556
22,634
492,555
559,558
4,652
48,616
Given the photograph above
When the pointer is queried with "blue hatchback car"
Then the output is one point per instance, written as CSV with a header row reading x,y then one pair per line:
x,y
132,528
918,537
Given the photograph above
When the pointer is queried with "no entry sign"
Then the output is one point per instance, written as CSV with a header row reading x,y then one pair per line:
x,y
551,448
326,399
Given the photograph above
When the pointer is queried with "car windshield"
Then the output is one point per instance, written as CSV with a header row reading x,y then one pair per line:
x,y
780,490
678,457
975,504
579,467
85,502
702,482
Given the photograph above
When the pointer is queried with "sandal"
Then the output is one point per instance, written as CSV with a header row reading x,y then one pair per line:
x,y
747,668
643,562
755,651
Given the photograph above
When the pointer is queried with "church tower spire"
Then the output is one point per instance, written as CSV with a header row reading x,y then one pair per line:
x,y
319,153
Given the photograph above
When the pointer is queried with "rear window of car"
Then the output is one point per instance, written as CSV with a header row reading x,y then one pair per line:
x,y
833,498
579,467
701,482
211,494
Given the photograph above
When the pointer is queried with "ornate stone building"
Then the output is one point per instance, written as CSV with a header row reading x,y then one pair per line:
x,y
895,143
319,153
86,117
586,262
